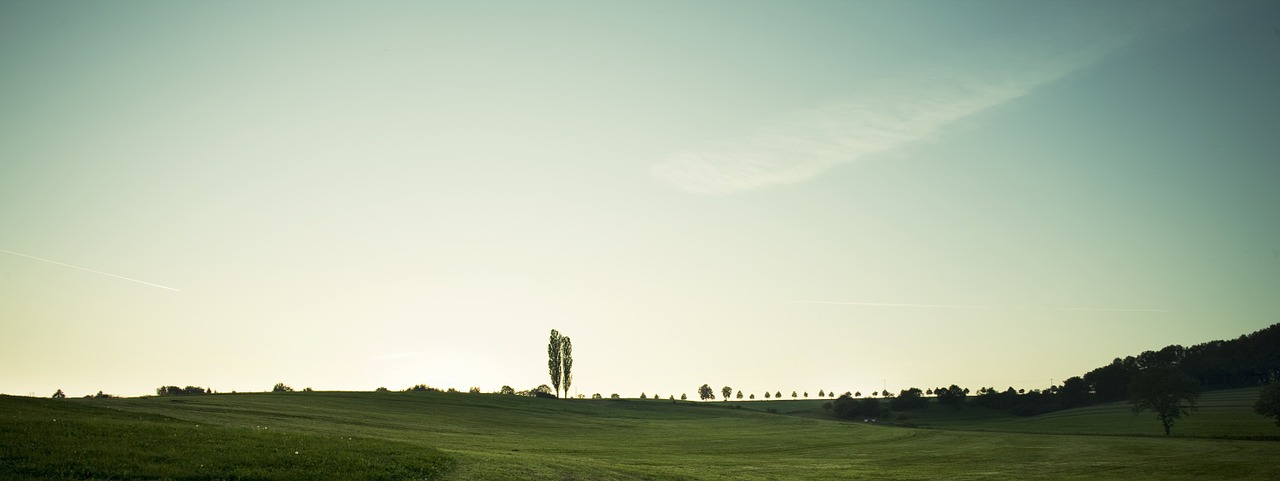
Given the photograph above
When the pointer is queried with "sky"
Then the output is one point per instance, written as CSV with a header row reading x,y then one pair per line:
x,y
773,196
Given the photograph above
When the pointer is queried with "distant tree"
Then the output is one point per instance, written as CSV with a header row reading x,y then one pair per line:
x,y
848,408
596,396
615,396
672,398
383,389
281,387
928,392
1166,391
952,396
793,394
102,395
566,356
821,393
767,395
753,396
908,399
1268,402
506,390
473,390
452,390
1073,393
739,394
684,397
642,396
555,360
59,394
306,389
542,388
777,395
706,393
806,394
831,394
727,392
857,394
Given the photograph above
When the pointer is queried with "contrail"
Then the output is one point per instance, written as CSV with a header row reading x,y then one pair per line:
x,y
990,308
91,270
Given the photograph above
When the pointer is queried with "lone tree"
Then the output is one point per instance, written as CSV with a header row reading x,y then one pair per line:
x,y
1268,402
767,395
739,394
1166,391
727,392
555,366
59,394
706,393
566,360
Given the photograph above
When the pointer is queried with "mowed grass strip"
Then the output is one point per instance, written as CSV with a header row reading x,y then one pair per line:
x,y
70,439
494,437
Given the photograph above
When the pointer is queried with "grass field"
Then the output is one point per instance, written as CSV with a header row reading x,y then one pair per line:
x,y
481,436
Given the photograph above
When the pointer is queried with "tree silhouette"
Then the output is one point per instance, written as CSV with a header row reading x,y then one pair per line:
x,y
566,360
821,393
739,394
59,394
806,394
706,393
596,396
280,387
684,397
793,395
1166,391
506,390
767,395
555,366
727,392
1268,402
642,396
777,395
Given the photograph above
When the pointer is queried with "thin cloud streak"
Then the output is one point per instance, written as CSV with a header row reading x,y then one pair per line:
x,y
91,270
989,308
879,120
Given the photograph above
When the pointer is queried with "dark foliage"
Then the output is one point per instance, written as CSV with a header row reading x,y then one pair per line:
x,y
1269,402
181,391
908,400
846,407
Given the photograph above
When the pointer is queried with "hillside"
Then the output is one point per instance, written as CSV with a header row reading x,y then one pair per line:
x,y
468,436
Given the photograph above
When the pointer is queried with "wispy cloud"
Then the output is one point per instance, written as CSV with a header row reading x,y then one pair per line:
x,y
877,120
991,308
90,270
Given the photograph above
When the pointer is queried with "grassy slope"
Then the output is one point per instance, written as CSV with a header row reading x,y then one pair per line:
x,y
505,437
1221,414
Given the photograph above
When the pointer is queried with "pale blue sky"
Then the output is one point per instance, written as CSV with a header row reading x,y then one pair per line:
x,y
351,195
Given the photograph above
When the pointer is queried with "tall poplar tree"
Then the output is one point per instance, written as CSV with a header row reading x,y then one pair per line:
x,y
566,365
554,365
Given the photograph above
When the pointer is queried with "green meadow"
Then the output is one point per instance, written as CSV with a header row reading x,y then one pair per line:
x,y
433,435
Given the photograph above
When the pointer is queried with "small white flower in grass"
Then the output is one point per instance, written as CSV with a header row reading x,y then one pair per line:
x,y
295,452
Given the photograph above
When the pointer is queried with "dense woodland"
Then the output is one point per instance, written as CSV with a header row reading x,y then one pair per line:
x,y
1249,360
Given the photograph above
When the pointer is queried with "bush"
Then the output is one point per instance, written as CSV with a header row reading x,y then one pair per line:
x,y
846,407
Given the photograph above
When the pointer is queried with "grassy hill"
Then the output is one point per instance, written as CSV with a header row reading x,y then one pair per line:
x,y
1226,413
474,436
